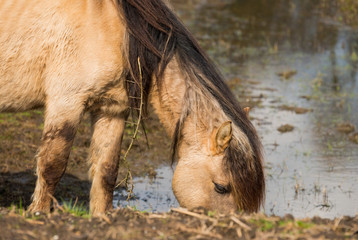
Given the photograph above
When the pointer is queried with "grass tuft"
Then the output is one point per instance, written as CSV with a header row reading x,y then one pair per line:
x,y
264,224
304,225
18,208
77,210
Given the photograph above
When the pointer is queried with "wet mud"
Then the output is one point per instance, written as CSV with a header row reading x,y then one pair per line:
x,y
177,224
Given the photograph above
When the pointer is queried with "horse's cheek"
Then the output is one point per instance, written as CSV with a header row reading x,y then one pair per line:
x,y
190,188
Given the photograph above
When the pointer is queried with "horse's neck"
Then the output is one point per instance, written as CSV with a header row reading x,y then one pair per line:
x,y
168,101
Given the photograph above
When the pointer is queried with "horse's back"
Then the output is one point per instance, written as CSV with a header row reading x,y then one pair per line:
x,y
56,47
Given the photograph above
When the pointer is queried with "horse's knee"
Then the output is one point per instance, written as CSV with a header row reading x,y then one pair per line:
x,y
66,132
109,175
54,152
105,178
51,171
51,163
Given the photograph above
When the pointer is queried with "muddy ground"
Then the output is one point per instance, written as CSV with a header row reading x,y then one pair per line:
x,y
177,224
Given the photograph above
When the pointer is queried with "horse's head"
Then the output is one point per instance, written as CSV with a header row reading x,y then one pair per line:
x,y
219,172
218,151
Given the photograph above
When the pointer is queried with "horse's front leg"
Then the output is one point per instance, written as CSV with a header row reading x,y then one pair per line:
x,y
61,122
104,156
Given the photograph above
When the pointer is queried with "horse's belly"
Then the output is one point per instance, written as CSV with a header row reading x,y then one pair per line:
x,y
21,78
18,95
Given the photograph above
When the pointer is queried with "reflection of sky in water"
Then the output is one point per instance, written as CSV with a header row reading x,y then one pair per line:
x,y
314,169
153,195
313,156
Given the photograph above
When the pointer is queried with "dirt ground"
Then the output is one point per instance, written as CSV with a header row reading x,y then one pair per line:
x,y
177,224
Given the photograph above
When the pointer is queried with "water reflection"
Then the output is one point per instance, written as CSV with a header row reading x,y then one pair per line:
x,y
150,194
233,26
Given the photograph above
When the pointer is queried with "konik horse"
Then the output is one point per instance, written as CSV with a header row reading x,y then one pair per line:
x,y
77,56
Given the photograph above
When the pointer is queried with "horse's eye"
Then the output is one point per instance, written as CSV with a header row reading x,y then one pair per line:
x,y
221,189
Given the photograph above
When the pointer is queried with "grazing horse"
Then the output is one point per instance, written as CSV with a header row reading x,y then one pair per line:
x,y
73,56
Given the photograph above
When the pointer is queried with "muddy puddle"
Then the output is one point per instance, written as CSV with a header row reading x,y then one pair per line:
x,y
150,194
295,63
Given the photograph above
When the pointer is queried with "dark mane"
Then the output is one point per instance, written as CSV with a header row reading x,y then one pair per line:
x,y
155,36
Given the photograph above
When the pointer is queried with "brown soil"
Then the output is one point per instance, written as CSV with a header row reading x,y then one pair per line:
x,y
354,137
297,110
287,74
177,224
285,128
348,128
345,127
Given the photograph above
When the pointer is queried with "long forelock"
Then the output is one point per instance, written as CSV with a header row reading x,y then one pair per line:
x,y
246,175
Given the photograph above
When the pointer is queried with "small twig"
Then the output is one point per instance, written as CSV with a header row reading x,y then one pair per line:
x,y
241,224
129,176
56,205
196,231
336,223
31,221
104,217
212,226
26,233
156,216
145,134
74,205
30,145
238,232
131,81
192,214
134,97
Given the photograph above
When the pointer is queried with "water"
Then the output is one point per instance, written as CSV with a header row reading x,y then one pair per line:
x,y
312,170
150,194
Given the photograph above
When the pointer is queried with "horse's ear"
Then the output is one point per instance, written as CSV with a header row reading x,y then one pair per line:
x,y
221,138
